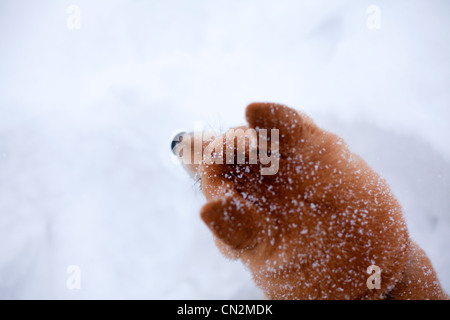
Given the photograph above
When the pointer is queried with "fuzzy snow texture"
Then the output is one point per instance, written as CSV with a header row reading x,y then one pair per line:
x,y
87,116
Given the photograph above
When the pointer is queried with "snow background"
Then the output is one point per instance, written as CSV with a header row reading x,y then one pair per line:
x,y
87,116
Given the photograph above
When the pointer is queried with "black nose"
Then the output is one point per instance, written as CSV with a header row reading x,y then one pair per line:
x,y
176,140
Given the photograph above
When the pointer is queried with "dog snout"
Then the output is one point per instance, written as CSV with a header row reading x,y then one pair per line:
x,y
176,140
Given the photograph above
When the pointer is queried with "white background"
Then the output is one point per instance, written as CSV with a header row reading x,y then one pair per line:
x,y
87,116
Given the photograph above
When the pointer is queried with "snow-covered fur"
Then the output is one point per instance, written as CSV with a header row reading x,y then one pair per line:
x,y
312,230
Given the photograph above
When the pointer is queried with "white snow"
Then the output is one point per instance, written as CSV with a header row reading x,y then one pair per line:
x,y
87,116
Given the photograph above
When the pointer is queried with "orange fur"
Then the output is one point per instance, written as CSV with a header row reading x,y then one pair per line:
x,y
311,230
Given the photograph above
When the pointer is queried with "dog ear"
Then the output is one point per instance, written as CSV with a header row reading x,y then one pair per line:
x,y
232,221
276,116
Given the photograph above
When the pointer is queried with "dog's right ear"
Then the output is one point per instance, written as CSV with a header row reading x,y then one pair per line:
x,y
276,116
232,221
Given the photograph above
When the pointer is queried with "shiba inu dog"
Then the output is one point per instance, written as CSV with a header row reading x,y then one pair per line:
x,y
309,218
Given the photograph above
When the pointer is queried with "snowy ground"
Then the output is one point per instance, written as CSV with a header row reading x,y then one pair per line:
x,y
87,115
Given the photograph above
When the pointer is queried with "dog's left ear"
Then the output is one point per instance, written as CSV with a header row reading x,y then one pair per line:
x,y
232,221
276,116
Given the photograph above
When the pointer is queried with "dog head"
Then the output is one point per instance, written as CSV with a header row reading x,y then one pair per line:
x,y
295,205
